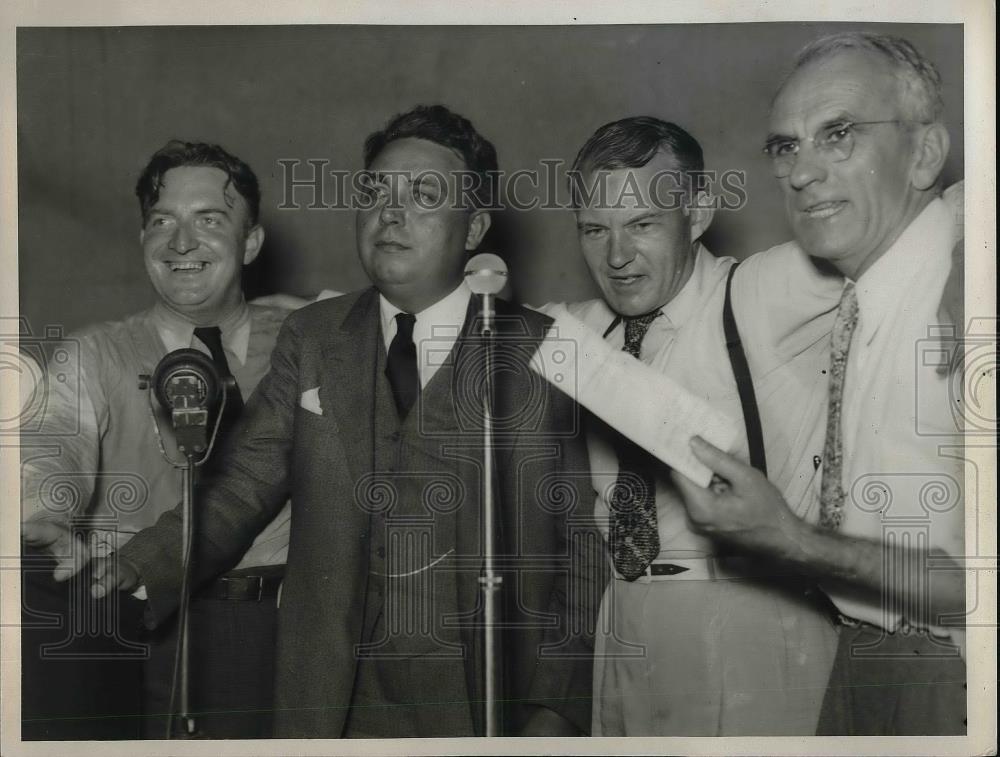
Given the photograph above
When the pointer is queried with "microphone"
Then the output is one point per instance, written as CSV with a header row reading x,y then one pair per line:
x,y
187,385
486,275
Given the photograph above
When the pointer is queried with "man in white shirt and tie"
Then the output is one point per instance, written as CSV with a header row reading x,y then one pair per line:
x,y
858,147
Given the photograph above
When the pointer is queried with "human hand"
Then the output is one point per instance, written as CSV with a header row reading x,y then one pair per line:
x,y
740,506
54,536
112,573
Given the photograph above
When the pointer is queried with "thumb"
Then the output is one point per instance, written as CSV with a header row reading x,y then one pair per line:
x,y
722,463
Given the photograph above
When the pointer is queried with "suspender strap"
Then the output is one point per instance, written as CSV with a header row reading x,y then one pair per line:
x,y
744,382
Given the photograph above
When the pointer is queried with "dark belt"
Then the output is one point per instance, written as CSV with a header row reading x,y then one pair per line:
x,y
246,586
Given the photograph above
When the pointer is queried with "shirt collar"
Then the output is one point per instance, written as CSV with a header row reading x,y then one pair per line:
x,y
178,333
443,319
880,288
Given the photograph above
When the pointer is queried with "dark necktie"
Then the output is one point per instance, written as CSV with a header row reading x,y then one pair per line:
x,y
635,542
211,336
832,495
401,365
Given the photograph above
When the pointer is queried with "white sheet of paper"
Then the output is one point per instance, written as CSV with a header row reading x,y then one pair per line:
x,y
607,382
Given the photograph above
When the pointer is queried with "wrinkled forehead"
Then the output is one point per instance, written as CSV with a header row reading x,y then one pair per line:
x,y
658,185
851,84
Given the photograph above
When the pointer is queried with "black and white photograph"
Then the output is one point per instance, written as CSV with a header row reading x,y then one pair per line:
x,y
523,380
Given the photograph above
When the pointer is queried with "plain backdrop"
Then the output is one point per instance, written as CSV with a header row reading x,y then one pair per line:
x,y
95,103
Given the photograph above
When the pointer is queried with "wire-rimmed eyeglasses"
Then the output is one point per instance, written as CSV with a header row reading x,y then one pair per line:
x,y
835,142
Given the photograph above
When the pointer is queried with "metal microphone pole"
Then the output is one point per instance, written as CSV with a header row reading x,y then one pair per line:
x,y
186,384
491,582
188,728
486,275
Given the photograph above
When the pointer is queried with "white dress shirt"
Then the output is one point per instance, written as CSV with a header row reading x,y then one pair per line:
x,y
901,418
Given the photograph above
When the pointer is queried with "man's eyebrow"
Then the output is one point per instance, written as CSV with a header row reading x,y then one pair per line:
x,y
842,117
649,215
206,211
772,137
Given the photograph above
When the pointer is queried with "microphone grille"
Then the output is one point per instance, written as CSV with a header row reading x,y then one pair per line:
x,y
486,273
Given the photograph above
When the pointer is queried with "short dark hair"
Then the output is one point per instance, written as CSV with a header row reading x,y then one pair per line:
x,y
177,153
438,124
632,143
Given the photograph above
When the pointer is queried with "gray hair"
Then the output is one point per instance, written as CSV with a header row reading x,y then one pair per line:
x,y
920,82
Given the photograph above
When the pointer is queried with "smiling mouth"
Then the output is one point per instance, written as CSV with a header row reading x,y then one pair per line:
x,y
823,210
626,280
188,266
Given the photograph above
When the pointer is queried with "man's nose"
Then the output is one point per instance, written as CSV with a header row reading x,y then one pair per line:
x,y
809,166
183,239
392,212
620,252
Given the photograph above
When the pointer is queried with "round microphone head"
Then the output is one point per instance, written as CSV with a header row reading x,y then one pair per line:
x,y
486,273
186,378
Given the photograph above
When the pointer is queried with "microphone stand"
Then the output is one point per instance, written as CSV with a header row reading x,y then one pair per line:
x,y
191,442
490,582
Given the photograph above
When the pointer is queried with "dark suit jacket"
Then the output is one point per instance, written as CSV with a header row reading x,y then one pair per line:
x,y
281,449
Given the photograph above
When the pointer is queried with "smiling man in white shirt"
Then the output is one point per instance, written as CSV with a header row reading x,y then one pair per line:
x,y
858,148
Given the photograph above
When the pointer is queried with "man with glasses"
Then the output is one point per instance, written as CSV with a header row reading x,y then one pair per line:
x,y
858,147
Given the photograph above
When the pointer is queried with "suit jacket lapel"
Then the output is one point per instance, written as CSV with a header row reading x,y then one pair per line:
x,y
349,380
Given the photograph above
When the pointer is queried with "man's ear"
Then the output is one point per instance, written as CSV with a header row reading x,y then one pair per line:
x,y
254,241
701,211
479,224
929,154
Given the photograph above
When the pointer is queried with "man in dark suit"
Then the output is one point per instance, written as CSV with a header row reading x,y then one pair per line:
x,y
369,420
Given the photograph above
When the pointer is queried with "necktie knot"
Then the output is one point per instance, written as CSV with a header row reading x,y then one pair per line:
x,y
635,331
404,325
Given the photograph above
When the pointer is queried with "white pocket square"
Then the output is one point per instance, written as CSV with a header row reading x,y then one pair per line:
x,y
310,401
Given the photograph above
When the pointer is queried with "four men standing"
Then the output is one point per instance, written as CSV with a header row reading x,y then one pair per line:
x,y
715,622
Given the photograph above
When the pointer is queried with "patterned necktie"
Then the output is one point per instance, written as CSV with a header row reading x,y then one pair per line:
x,y
211,336
635,542
832,495
401,365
